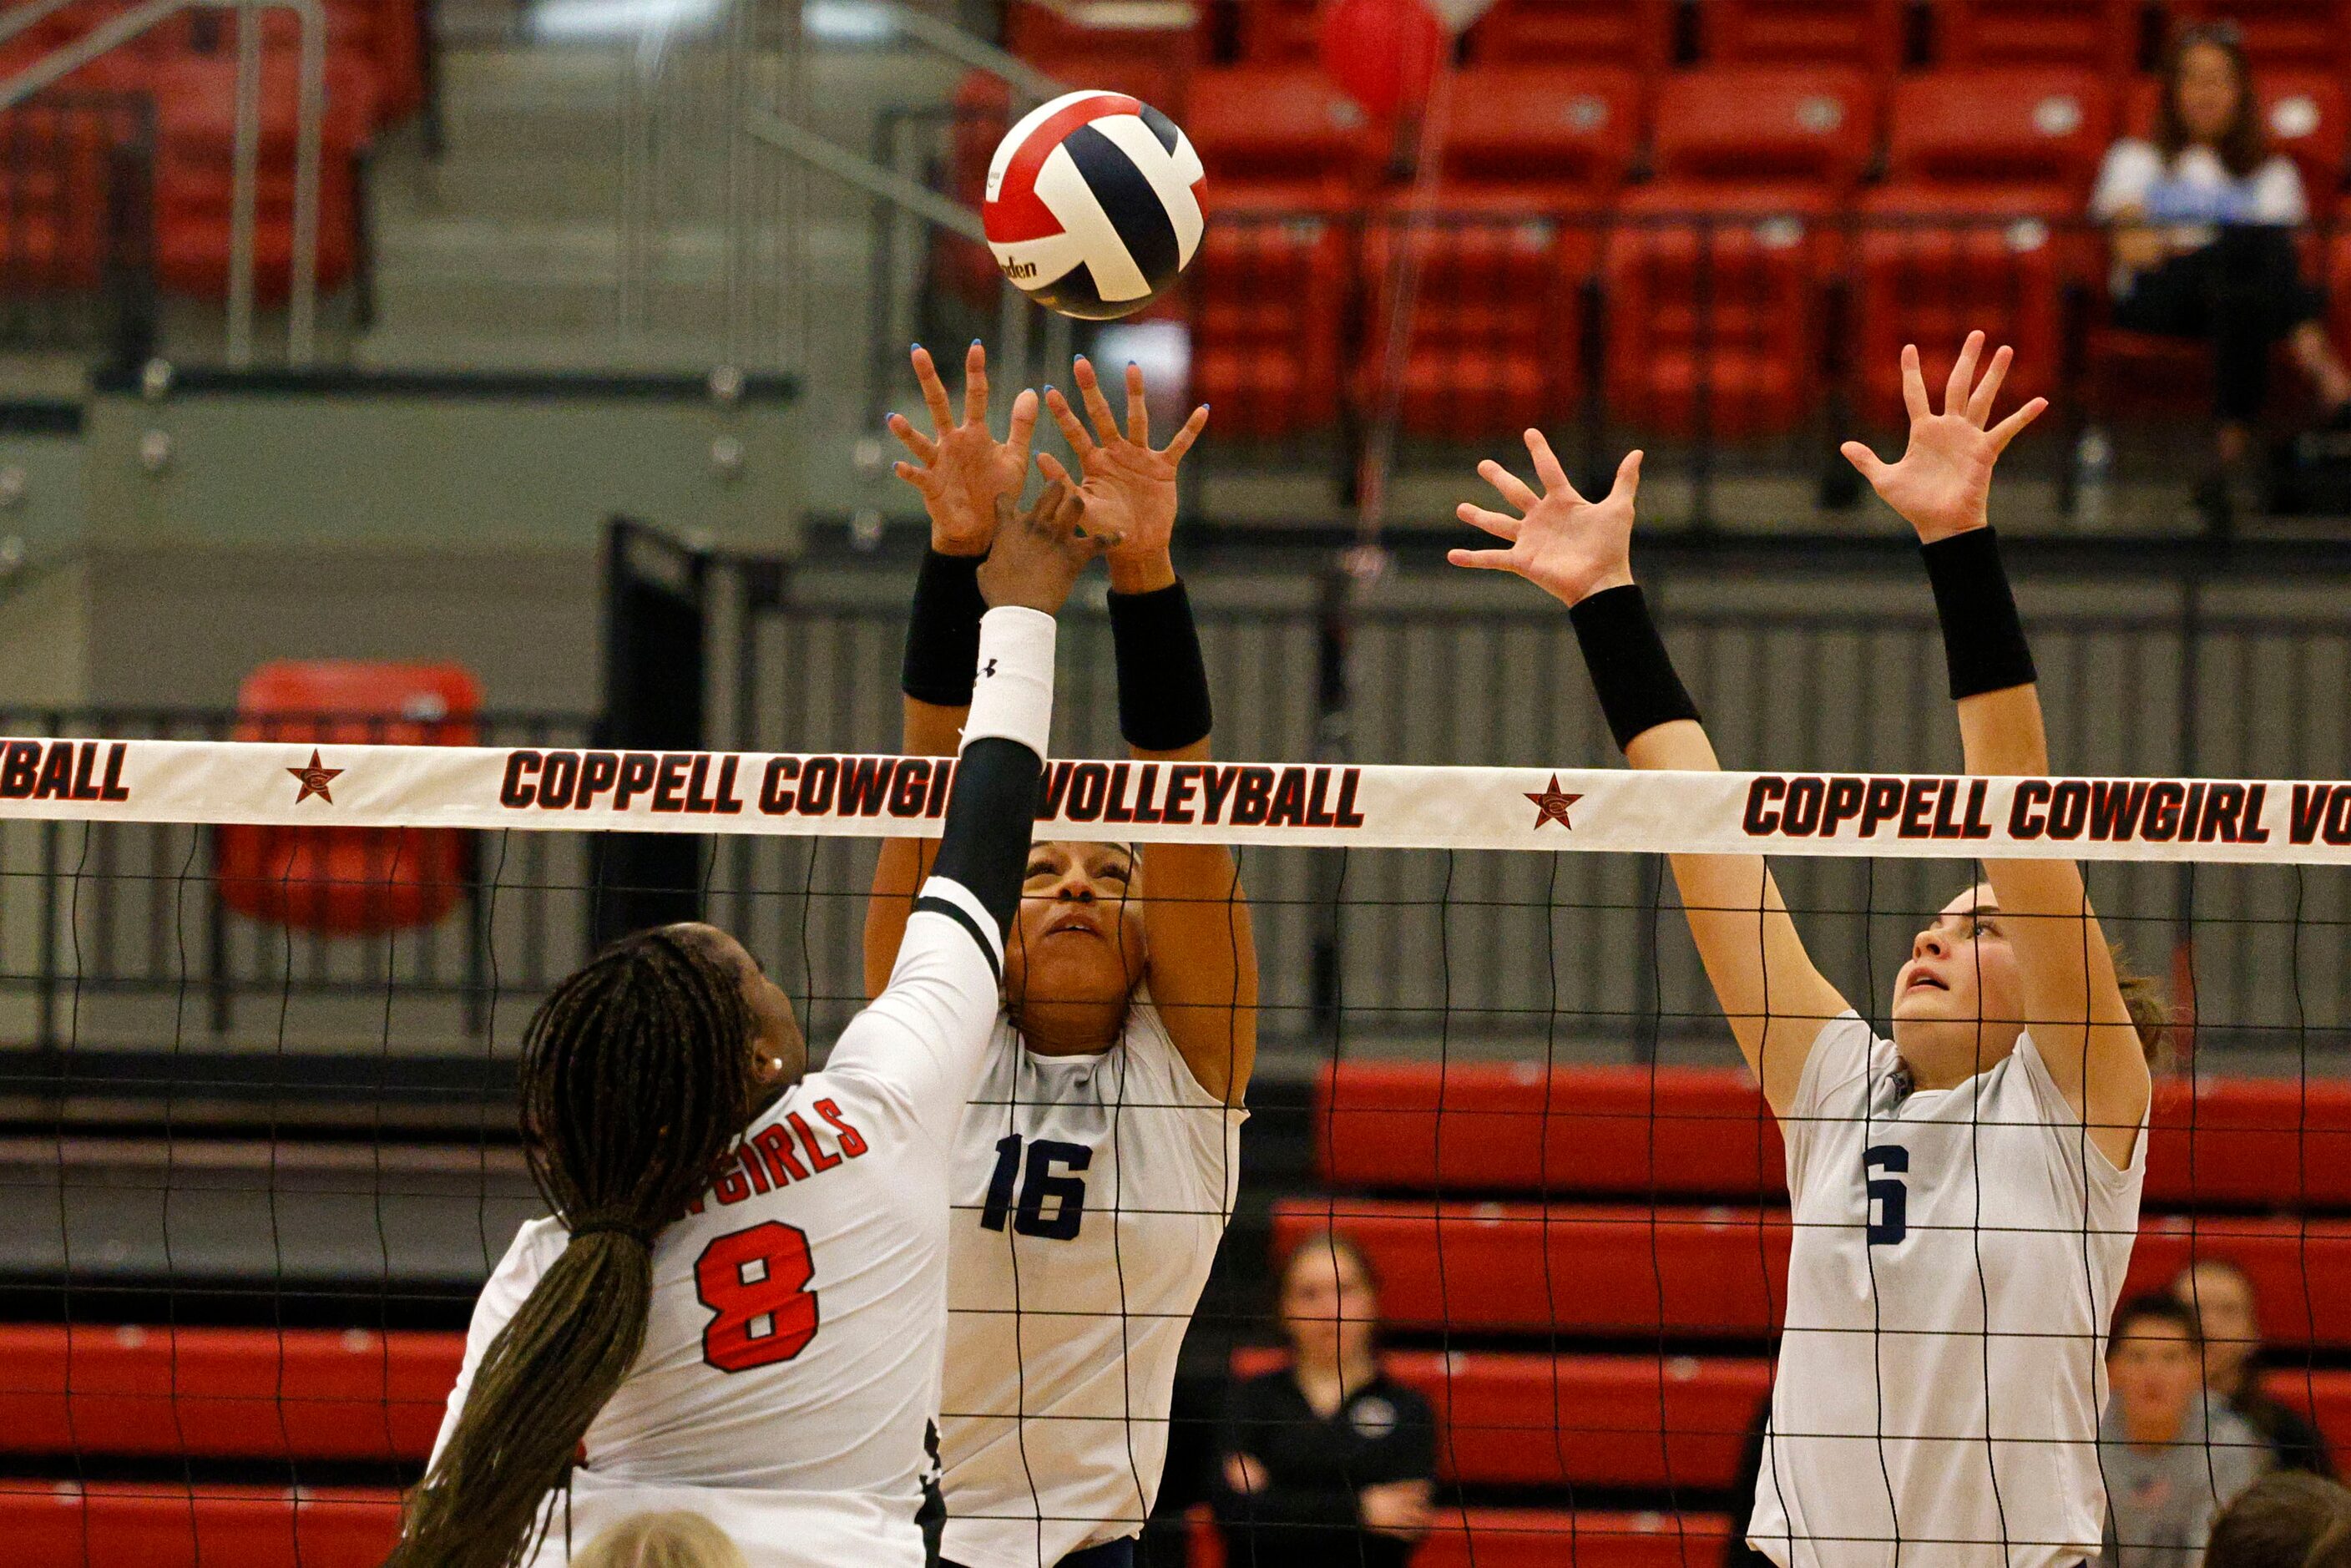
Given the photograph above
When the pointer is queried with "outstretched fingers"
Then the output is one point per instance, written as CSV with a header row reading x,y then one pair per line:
x,y
1097,405
1066,420
1628,479
1914,386
1189,434
1138,408
2009,429
975,384
924,449
1963,373
1511,488
1863,458
1482,559
1501,524
1547,467
1024,426
935,391
1987,391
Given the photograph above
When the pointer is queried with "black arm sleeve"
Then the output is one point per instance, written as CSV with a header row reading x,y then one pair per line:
x,y
991,812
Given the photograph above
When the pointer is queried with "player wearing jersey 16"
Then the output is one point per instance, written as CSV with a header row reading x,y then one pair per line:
x,y
739,1307
1965,1194
1096,1165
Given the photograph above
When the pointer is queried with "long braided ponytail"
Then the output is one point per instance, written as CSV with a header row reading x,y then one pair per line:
x,y
635,1081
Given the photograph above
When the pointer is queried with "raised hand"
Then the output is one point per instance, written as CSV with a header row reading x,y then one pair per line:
x,y
1568,547
964,470
1129,490
1039,554
1942,485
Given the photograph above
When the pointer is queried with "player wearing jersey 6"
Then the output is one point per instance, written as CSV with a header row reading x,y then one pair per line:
x,y
738,1306
1965,1194
1096,1166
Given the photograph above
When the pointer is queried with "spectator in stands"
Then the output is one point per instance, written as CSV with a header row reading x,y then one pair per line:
x,y
1327,1462
2285,1520
2221,1297
2172,1459
661,1540
2202,222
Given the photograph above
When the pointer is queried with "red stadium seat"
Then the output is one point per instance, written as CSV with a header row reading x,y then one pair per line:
x,y
1633,34
2100,36
224,1393
1701,1132
1743,126
1713,280
1721,1273
195,141
1864,34
1279,31
1506,257
1266,299
2315,35
55,191
1561,135
1287,125
1123,48
2008,128
1507,1418
349,881
1987,168
69,1525
1535,1538
1495,331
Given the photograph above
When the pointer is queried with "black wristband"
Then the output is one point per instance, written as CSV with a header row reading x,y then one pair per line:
x,y
1630,668
943,631
1983,639
1163,683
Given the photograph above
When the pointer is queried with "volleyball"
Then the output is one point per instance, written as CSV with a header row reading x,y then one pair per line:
x,y
1093,205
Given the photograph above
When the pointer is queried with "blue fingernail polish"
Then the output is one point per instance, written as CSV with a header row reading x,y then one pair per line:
x,y
975,342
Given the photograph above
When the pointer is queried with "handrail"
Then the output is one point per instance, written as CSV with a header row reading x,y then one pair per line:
x,y
301,313
978,53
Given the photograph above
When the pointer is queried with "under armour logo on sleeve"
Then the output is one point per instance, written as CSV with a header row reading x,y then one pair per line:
x,y
987,669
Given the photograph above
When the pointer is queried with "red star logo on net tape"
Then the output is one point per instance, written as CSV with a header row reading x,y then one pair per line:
x,y
1552,802
315,780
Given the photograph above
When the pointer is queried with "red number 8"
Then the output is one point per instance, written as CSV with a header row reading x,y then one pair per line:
x,y
780,1295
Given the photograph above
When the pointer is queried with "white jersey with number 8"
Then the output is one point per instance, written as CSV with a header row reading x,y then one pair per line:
x,y
790,1367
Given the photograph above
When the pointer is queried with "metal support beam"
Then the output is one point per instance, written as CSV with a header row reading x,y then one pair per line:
x,y
796,142
978,53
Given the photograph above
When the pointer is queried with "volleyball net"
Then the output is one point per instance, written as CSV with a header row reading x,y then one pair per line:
x,y
261,1145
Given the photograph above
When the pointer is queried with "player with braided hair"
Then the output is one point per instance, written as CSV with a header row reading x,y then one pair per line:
x,y
737,1307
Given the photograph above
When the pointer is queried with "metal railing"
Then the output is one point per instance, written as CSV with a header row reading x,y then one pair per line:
x,y
77,227
310,20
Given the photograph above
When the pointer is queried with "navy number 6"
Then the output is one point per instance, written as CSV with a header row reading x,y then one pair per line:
x,y
1889,1200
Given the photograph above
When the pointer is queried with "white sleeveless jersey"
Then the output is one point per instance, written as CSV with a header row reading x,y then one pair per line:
x,y
1090,1195
790,1367
1956,1262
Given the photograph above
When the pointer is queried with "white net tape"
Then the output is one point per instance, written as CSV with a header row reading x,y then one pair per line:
x,y
1881,816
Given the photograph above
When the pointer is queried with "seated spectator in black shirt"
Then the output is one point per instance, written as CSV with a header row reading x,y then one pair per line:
x,y
1327,1463
2203,220
2284,1521
2222,1298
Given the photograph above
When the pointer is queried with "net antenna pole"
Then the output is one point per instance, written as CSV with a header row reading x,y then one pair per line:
x,y
656,613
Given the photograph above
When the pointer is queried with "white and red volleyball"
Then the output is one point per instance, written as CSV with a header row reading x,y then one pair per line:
x,y
1093,205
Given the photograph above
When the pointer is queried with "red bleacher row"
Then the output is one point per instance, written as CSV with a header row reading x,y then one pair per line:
x,y
186,67
1720,271
1692,1134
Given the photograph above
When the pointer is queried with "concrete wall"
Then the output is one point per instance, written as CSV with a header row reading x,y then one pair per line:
x,y
191,530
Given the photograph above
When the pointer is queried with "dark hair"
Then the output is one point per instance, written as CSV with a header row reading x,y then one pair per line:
x,y
635,1081
2285,1520
2243,147
2149,1010
2155,1307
